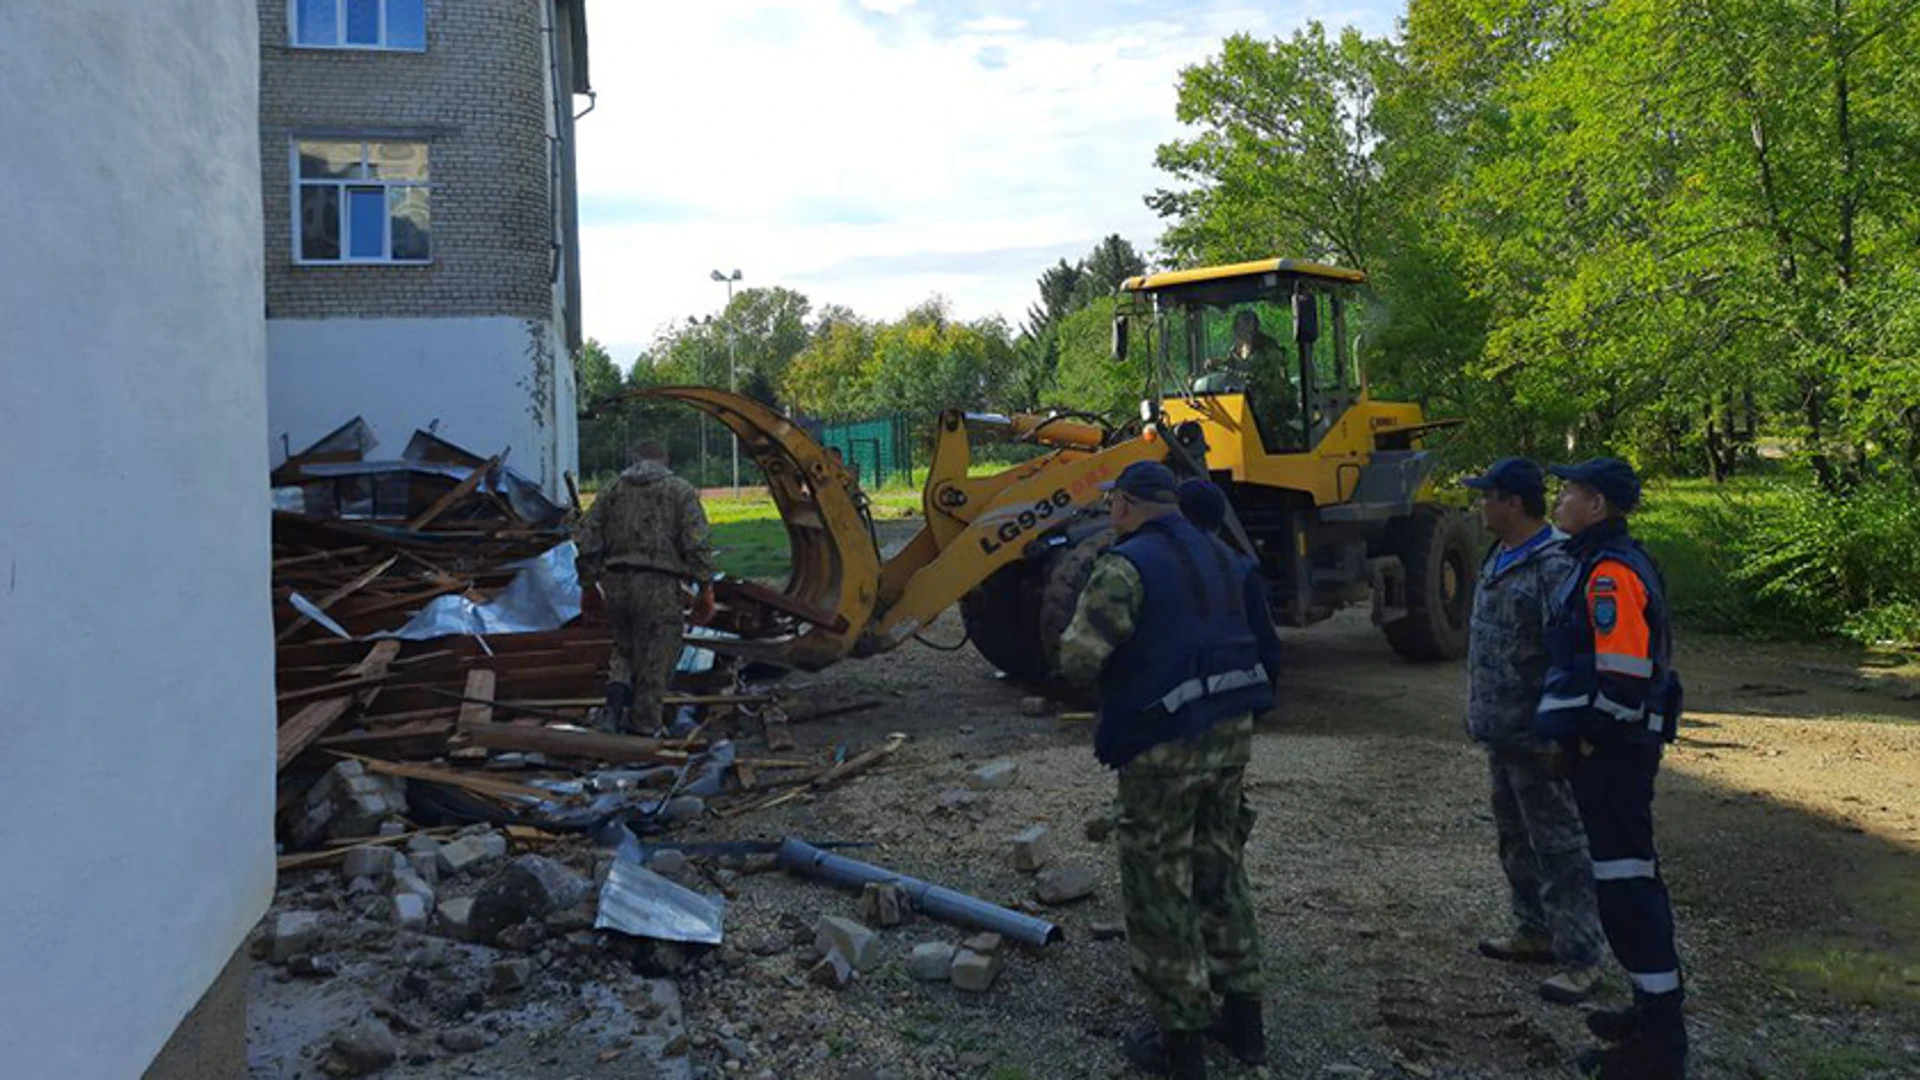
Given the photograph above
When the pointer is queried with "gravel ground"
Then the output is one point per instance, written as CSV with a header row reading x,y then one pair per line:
x,y
1790,829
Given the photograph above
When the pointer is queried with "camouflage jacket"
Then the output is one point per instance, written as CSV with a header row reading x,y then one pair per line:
x,y
650,519
1102,622
1507,651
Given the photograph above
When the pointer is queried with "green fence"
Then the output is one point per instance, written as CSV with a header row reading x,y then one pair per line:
x,y
880,450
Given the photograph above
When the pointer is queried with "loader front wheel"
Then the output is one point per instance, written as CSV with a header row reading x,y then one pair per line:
x,y
1067,576
1002,618
1435,544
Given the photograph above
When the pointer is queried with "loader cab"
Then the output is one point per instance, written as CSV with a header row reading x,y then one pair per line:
x,y
1264,347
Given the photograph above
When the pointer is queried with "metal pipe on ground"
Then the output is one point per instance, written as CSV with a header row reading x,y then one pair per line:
x,y
802,859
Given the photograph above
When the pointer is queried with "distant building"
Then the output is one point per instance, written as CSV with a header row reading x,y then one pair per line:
x,y
422,255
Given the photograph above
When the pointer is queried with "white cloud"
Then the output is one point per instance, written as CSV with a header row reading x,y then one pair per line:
x,y
995,24
887,7
869,162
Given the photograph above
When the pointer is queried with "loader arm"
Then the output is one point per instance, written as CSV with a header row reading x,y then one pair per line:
x,y
840,600
976,525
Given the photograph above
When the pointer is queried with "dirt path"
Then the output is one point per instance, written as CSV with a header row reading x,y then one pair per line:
x,y
1790,827
1789,819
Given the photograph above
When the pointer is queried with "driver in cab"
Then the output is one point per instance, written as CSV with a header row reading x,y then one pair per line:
x,y
1253,355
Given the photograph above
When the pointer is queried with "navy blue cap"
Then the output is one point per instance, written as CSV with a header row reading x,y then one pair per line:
x,y
1203,503
1515,476
1607,475
1148,481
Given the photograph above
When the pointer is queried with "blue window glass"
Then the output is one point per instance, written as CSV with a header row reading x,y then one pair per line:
x,y
316,22
363,22
406,24
366,222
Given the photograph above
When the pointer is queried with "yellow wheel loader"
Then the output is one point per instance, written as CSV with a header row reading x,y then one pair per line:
x,y
1251,379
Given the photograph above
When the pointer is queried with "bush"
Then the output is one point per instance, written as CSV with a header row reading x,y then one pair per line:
x,y
1845,564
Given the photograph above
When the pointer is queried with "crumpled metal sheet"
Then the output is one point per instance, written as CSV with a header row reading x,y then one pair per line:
x,y
639,902
544,595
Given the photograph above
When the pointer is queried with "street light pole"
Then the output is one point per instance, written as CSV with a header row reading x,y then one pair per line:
x,y
733,376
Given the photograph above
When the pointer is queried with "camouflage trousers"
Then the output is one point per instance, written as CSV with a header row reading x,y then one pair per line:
x,y
646,612
1543,850
1182,829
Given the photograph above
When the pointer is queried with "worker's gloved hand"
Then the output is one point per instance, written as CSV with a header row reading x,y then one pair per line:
x,y
593,602
702,613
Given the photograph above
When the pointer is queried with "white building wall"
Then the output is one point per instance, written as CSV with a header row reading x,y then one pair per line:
x,y
491,383
136,667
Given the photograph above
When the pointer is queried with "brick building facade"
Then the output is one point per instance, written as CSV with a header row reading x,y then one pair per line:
x,y
420,229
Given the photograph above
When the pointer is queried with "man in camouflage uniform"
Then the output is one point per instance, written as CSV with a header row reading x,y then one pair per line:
x,y
646,535
1543,847
1174,631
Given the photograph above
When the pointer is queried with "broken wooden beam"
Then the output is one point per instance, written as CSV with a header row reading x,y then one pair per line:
x,y
559,742
460,491
476,701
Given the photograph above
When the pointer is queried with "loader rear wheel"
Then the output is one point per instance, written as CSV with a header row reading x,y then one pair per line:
x,y
1002,620
1435,544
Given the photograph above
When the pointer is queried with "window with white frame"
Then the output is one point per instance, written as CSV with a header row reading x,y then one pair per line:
x,y
360,202
359,24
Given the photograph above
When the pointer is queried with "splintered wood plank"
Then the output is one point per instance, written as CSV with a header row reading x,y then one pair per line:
x,y
774,726
557,742
480,785
460,491
478,708
308,724
338,595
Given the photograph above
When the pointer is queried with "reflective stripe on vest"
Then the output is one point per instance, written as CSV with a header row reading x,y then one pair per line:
x,y
1622,869
1194,689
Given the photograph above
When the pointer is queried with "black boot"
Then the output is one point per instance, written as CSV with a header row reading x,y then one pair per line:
x,y
1635,1059
1614,1025
1178,1054
1240,1029
619,704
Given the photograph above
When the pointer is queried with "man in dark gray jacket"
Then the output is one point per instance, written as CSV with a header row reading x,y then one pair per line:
x,y
1542,845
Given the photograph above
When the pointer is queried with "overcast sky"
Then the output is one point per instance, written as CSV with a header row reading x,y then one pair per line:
x,y
873,152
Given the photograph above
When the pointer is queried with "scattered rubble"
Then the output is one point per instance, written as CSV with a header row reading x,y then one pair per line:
x,y
1065,884
1032,848
930,961
974,971
1098,828
364,1048
294,932
992,776
857,944
882,905
527,888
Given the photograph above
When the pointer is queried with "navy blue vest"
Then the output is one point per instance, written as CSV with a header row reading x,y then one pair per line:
x,y
1600,702
1193,660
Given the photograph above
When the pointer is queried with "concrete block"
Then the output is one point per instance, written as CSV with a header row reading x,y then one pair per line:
x,y
511,975
992,776
456,917
859,945
882,905
1064,884
985,943
294,932
409,911
471,851
930,961
832,971
529,887
1032,848
367,862
406,881
973,971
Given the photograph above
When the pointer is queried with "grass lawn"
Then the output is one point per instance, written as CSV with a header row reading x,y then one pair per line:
x,y
1684,523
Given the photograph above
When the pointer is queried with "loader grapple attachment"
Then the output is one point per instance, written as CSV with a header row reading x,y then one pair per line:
x,y
830,594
